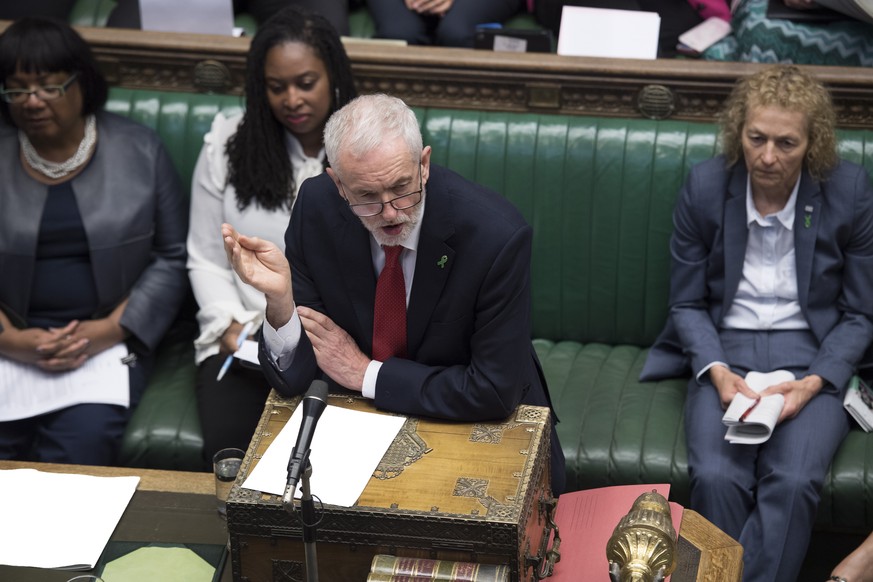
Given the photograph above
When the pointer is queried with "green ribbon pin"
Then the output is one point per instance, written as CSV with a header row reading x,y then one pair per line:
x,y
442,262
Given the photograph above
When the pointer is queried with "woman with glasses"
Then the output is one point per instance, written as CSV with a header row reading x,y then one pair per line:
x,y
249,171
92,251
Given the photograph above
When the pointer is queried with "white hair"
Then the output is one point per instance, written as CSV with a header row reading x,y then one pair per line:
x,y
367,122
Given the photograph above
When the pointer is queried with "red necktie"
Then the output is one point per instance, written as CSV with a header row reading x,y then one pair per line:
x,y
389,314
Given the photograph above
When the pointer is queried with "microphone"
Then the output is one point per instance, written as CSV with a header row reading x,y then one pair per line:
x,y
314,403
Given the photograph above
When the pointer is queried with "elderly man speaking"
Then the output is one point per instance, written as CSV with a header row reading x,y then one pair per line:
x,y
403,281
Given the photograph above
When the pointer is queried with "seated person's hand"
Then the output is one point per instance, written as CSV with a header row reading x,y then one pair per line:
x,y
53,350
229,338
436,7
728,384
100,334
797,393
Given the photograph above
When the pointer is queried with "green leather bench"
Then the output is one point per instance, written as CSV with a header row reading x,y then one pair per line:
x,y
599,193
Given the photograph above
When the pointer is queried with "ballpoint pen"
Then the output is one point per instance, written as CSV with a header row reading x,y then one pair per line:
x,y
750,409
240,340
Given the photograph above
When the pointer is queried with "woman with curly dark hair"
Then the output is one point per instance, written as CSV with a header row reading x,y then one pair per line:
x,y
249,171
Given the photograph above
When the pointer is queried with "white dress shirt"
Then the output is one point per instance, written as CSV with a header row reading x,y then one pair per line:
x,y
766,298
282,343
221,295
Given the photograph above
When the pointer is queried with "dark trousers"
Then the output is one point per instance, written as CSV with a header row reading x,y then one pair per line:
x,y
229,409
85,434
126,12
677,16
765,496
13,10
457,28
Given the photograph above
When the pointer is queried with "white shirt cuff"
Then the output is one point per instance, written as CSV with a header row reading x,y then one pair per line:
x,y
282,343
368,390
706,368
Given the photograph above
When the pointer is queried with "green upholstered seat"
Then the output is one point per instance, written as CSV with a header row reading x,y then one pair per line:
x,y
164,432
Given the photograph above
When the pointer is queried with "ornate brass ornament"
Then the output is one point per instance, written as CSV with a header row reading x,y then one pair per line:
x,y
406,449
643,546
656,102
211,76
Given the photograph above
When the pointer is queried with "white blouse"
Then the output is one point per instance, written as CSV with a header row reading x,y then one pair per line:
x,y
221,295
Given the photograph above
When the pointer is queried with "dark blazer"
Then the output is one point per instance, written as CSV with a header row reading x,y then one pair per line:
x,y
833,240
134,214
468,320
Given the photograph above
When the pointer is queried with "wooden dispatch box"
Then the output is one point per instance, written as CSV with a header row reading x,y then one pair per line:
x,y
473,492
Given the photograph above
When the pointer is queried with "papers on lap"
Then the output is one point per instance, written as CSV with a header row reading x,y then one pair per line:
x,y
750,423
29,391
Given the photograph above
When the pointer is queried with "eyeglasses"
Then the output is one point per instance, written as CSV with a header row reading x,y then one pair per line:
x,y
46,93
402,202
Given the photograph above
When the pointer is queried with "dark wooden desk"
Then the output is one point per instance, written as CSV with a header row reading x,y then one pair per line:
x,y
168,506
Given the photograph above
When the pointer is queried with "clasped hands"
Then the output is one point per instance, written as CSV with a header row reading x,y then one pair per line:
x,y
262,265
796,392
64,348
435,7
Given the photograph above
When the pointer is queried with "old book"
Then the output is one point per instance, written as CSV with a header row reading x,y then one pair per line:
x,y
859,403
447,570
379,577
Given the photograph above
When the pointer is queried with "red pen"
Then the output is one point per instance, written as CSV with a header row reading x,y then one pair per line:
x,y
749,409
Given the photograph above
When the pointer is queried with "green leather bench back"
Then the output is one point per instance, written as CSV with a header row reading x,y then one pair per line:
x,y
181,119
599,193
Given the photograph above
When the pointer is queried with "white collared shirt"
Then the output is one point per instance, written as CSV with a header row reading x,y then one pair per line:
x,y
282,343
766,297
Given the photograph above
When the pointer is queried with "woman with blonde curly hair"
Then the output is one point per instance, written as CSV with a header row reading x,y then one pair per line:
x,y
772,266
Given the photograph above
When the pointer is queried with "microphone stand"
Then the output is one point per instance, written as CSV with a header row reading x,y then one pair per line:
x,y
308,519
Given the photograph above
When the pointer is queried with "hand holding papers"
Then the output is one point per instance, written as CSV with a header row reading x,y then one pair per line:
x,y
346,450
751,421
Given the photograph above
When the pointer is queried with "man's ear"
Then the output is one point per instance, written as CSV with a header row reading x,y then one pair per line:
x,y
335,179
425,163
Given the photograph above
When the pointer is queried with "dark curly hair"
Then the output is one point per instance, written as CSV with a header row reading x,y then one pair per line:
x,y
43,45
790,88
259,168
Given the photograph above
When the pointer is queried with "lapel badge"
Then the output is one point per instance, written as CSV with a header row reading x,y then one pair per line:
x,y
807,218
442,262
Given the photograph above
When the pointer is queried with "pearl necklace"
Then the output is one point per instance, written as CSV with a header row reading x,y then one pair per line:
x,y
57,170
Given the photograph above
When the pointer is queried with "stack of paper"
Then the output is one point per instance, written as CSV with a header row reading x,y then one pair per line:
x,y
58,520
751,421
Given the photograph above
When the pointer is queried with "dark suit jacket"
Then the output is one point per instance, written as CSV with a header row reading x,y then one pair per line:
x,y
833,240
468,320
136,219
